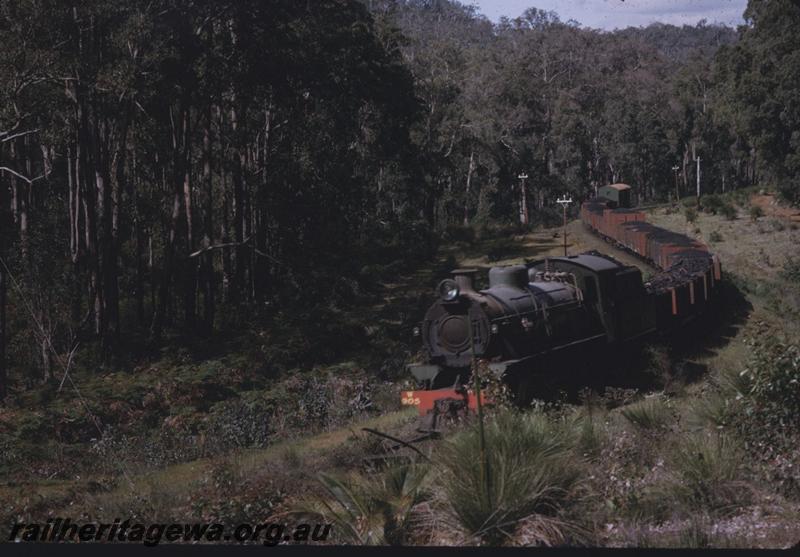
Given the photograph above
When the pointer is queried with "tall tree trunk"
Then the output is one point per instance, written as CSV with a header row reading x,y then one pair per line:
x,y
166,276
224,232
152,273
207,259
240,260
3,288
262,221
111,256
44,347
139,239
19,201
180,161
188,266
227,262
98,253
469,180
249,229
88,196
73,181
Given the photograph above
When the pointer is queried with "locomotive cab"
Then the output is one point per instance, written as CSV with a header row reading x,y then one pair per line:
x,y
614,290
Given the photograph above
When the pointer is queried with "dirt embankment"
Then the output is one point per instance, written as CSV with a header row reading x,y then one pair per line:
x,y
769,204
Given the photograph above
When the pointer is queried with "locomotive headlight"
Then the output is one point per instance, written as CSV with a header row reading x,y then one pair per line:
x,y
495,328
448,290
416,331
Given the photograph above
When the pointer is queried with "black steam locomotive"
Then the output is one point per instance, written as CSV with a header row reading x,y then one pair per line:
x,y
529,312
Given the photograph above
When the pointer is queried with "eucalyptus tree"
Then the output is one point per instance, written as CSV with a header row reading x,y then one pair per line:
x,y
759,92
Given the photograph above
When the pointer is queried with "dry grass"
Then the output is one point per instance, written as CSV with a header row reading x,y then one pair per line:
x,y
170,489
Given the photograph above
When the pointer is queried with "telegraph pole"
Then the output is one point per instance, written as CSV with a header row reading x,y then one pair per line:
x,y
677,191
564,202
523,202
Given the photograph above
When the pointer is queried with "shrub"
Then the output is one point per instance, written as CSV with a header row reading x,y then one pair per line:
x,y
778,225
530,474
548,216
774,372
715,236
237,423
790,192
613,397
728,211
32,427
457,233
710,203
501,230
691,214
735,383
707,473
501,248
647,414
741,197
756,212
791,270
764,410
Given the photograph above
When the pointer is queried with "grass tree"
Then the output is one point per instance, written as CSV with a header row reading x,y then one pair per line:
x,y
531,473
371,510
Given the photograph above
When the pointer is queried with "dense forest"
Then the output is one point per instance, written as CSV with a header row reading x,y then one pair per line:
x,y
176,169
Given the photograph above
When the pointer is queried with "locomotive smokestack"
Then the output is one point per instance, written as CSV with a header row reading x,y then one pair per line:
x,y
463,278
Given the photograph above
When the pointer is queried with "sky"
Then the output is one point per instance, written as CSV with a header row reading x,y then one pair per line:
x,y
611,14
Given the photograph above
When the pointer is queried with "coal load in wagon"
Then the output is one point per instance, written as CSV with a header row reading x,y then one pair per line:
x,y
693,263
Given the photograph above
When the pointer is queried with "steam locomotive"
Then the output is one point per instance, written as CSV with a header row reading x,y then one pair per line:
x,y
558,305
